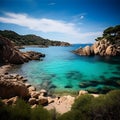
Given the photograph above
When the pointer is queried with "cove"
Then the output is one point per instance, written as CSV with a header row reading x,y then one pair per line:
x,y
62,70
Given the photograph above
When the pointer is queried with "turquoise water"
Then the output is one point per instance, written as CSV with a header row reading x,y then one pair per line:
x,y
61,70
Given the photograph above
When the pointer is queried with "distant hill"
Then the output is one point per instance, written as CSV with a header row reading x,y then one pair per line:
x,y
30,39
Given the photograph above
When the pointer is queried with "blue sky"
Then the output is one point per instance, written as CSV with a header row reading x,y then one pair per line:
x,y
74,21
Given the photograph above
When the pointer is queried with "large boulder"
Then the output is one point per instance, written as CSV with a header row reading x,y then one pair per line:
x,y
10,88
32,101
82,92
10,101
42,100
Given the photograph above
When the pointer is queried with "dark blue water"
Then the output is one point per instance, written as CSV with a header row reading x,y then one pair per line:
x,y
61,70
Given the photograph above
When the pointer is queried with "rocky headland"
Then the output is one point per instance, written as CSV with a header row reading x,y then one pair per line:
x,y
14,86
10,54
102,48
107,45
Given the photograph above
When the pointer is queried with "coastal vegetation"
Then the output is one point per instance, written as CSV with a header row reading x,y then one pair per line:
x,y
30,39
112,34
104,107
86,107
107,45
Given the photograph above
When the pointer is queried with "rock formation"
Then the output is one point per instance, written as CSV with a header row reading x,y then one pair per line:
x,y
102,48
9,54
11,86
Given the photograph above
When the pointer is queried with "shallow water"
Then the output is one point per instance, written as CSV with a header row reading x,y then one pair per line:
x,y
61,70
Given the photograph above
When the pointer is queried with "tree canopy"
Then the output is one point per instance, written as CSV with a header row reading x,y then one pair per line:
x,y
112,34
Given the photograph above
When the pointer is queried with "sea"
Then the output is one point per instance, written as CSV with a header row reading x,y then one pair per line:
x,y
63,71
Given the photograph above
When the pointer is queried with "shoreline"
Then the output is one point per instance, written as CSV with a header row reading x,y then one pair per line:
x,y
62,102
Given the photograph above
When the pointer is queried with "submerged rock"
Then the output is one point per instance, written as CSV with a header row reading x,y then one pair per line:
x,y
68,86
105,89
88,84
74,75
93,90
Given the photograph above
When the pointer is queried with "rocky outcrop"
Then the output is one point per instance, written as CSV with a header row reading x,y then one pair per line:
x,y
9,54
14,86
102,48
11,101
11,87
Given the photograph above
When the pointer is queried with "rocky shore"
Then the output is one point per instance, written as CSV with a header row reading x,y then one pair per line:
x,y
10,54
102,48
15,86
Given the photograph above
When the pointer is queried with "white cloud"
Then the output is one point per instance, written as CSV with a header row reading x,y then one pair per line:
x,y
43,24
81,17
69,30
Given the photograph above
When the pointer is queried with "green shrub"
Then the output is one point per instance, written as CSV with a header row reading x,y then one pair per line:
x,y
104,107
72,115
83,102
39,113
21,111
4,111
86,107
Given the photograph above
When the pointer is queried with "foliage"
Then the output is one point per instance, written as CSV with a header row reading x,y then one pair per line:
x,y
112,34
86,107
104,107
39,113
28,39
22,111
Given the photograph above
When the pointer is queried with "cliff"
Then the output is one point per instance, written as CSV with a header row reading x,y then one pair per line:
x,y
9,54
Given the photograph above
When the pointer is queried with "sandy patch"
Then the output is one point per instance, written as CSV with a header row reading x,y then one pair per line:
x,y
62,104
